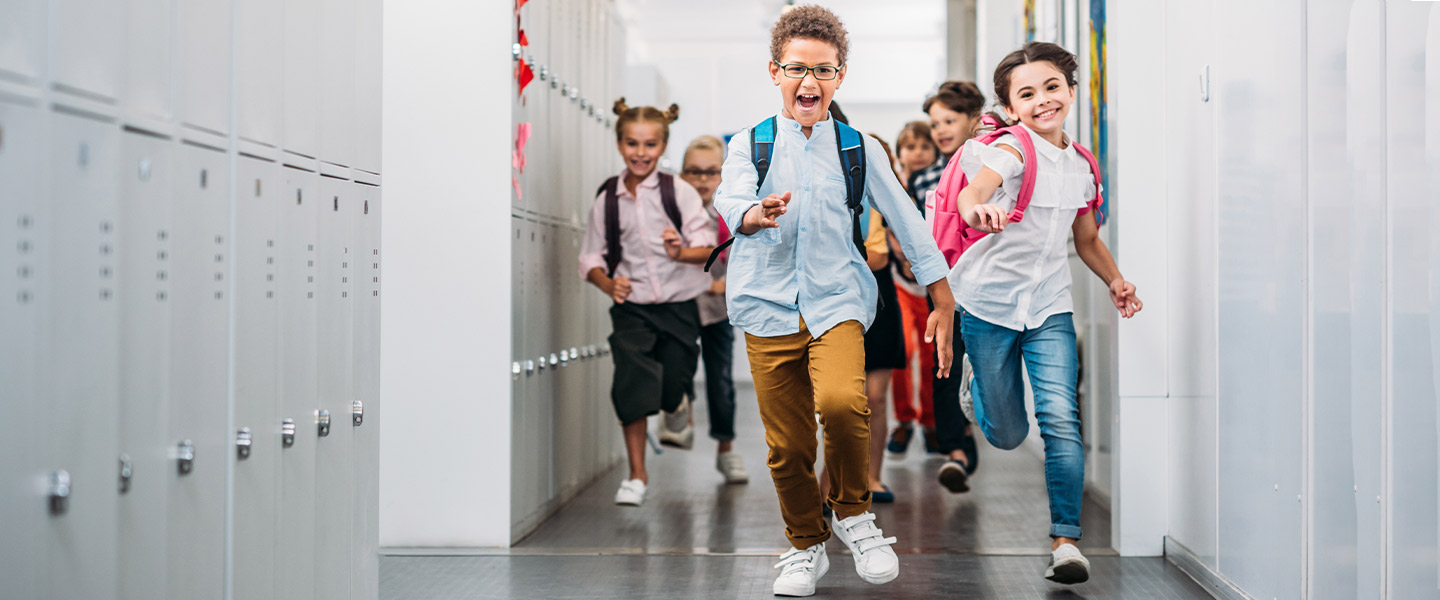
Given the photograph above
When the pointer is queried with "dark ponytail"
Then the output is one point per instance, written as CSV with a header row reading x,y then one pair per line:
x,y
963,97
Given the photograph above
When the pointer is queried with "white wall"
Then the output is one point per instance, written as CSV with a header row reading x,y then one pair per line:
x,y
445,469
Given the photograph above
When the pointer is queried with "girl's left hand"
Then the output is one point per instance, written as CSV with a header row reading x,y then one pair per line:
x,y
1122,293
672,243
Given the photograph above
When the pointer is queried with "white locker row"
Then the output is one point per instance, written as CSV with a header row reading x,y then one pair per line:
x,y
307,72
127,418
564,425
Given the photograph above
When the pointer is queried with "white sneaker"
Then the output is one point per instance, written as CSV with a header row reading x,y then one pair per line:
x,y
967,374
678,432
732,466
875,560
800,570
631,493
1068,565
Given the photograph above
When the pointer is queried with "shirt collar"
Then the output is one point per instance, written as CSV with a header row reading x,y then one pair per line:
x,y
650,181
783,122
1051,152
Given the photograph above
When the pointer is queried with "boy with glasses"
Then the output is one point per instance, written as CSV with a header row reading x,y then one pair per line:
x,y
799,288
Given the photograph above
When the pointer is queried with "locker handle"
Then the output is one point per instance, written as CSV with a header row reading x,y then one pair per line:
x,y
322,423
357,413
59,492
127,468
287,432
243,439
185,457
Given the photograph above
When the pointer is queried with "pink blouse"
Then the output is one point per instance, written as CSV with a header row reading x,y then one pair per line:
x,y
654,277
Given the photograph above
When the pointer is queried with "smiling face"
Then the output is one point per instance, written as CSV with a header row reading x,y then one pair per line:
x,y
807,100
641,145
950,129
1040,98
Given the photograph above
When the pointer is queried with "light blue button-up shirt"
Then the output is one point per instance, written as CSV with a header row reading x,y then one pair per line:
x,y
809,266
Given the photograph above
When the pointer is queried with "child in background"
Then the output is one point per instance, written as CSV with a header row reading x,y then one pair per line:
x,y
701,169
917,151
1013,286
647,237
799,288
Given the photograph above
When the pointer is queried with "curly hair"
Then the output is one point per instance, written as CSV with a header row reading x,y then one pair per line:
x,y
651,114
963,97
809,22
1063,60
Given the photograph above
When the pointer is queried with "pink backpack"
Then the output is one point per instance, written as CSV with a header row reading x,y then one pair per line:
x,y
952,233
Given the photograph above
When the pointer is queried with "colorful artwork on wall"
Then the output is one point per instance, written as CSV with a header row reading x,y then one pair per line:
x,y
1099,109
1029,20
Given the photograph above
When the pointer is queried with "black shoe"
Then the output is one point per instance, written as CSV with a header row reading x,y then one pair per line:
x,y
884,497
954,478
900,441
932,441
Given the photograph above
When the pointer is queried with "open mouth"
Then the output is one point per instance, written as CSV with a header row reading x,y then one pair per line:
x,y
944,142
807,102
1047,115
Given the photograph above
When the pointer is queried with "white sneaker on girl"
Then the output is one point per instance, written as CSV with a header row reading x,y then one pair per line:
x,y
1068,565
631,493
800,570
875,560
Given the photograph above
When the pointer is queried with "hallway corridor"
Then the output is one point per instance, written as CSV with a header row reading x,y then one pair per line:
x,y
696,537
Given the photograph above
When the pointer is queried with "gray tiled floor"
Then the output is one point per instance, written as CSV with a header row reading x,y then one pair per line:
x,y
696,537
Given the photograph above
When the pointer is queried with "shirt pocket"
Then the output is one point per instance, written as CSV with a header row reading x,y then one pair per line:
x,y
830,212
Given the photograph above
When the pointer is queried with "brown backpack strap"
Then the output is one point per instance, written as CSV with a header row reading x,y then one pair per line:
x,y
667,199
612,224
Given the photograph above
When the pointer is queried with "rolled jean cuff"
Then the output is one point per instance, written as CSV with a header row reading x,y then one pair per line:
x,y
1066,531
721,438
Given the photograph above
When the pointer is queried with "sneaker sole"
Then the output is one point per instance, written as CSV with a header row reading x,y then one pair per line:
x,y
882,578
954,478
1069,573
802,592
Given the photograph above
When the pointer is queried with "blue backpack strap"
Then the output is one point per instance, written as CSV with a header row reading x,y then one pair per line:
x,y
762,142
851,146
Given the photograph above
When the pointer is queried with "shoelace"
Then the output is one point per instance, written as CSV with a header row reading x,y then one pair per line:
x,y
796,560
864,535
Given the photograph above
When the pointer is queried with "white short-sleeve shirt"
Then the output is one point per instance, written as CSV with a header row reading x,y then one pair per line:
x,y
1020,277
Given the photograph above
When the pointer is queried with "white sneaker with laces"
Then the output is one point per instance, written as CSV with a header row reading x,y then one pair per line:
x,y
732,466
1068,565
678,432
800,570
631,493
875,560
967,374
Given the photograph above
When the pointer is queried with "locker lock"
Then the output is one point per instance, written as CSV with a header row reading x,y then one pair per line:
x,y
565,358
59,492
127,468
545,74
357,413
529,367
574,352
584,103
185,457
543,362
287,433
515,370
574,94
554,360
243,440
515,50
322,423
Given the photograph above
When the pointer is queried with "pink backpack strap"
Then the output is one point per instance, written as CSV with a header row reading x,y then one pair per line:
x,y
1099,199
1027,181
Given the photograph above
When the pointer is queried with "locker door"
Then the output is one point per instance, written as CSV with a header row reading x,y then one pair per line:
x,y
88,42
295,551
22,39
301,68
337,82
258,71
148,61
22,504
200,374
204,34
334,471
81,336
146,169
364,539
258,193
367,85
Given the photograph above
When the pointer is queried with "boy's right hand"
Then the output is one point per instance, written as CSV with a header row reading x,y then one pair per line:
x,y
771,208
620,289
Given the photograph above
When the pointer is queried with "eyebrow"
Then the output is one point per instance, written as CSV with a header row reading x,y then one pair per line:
x,y
1047,81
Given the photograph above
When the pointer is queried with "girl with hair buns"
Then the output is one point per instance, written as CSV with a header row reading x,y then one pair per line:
x,y
647,237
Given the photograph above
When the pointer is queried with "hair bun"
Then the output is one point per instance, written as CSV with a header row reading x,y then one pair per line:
x,y
673,113
620,106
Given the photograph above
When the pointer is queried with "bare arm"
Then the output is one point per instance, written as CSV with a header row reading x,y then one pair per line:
x,y
1096,255
974,201
618,289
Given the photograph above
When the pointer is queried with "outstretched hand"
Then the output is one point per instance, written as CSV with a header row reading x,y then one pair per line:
x,y
771,208
992,218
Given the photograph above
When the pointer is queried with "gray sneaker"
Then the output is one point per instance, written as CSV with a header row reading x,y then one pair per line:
x,y
1068,566
677,432
732,466
967,374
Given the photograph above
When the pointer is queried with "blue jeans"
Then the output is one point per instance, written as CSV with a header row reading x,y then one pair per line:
x,y
998,390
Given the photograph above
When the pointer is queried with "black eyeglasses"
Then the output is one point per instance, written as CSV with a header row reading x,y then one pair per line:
x,y
701,173
798,71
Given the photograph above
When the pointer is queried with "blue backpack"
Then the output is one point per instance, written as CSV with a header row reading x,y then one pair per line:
x,y
851,146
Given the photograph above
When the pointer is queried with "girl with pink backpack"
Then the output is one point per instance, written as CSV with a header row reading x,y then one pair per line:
x,y
1000,215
